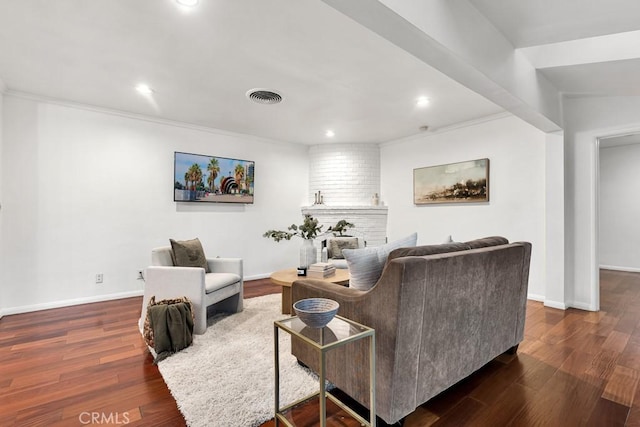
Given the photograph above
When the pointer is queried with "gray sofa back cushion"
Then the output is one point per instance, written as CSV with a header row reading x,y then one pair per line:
x,y
427,250
447,247
486,242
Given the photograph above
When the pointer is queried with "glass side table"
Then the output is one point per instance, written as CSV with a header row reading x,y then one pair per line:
x,y
338,332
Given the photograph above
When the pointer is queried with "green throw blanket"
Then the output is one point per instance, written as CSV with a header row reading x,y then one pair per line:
x,y
172,326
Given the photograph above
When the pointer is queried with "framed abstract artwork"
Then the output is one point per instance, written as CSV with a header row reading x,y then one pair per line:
x,y
462,182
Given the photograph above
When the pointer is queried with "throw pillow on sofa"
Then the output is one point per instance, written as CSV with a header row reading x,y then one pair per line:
x,y
188,253
366,264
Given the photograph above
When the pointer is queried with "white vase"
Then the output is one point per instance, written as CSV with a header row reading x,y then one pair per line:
x,y
308,253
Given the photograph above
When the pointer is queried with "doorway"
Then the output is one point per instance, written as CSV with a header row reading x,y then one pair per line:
x,y
618,235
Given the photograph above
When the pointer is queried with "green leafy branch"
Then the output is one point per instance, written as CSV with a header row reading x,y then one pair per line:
x,y
309,229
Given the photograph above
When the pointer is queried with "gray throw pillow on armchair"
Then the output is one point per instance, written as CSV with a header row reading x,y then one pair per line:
x,y
366,264
188,253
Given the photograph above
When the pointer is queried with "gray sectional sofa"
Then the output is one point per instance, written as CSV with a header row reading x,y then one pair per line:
x,y
440,313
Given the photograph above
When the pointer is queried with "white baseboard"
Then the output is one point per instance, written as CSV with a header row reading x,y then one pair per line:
x,y
618,268
70,302
257,276
547,303
77,301
555,304
582,306
536,297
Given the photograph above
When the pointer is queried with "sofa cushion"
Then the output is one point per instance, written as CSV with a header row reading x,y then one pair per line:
x,y
337,244
215,281
428,250
487,241
366,264
447,247
189,253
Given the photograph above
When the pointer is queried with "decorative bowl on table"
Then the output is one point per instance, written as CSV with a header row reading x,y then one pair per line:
x,y
316,312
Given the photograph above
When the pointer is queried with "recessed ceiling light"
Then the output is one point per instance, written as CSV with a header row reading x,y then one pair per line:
x,y
330,134
144,89
188,3
422,101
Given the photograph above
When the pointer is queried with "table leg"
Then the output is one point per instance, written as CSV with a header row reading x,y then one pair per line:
x,y
276,353
372,380
323,392
286,300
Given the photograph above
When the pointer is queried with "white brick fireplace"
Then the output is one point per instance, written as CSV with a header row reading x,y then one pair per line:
x,y
347,176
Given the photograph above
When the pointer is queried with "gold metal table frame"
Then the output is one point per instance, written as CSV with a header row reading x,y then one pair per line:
x,y
338,332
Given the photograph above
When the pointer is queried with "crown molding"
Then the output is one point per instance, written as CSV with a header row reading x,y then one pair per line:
x,y
450,128
144,118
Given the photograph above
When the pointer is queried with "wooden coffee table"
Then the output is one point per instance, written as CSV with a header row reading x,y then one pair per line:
x,y
286,277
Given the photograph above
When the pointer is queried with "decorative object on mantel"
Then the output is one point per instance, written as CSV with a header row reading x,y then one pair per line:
x,y
319,198
463,182
375,200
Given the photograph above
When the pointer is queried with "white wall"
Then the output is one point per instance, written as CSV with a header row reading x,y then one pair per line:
x,y
619,242
587,119
516,209
89,192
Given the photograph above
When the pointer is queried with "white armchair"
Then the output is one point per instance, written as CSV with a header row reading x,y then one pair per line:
x,y
220,290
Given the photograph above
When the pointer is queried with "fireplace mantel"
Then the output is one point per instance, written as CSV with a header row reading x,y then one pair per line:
x,y
367,210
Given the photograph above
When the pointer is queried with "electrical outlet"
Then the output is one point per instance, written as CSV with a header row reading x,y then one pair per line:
x,y
99,278
140,275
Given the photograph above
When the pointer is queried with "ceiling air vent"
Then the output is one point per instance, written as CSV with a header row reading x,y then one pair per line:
x,y
264,96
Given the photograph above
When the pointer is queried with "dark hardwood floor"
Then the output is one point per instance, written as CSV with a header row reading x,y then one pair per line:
x,y
62,367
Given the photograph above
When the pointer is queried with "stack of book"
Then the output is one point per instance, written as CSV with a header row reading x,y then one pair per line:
x,y
321,270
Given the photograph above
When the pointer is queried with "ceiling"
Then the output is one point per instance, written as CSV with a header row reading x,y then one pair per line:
x,y
584,48
618,141
332,72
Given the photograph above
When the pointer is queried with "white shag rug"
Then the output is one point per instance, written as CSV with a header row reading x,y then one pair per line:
x,y
226,377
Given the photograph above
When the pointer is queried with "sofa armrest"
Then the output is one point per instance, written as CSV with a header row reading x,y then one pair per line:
x,y
225,265
172,282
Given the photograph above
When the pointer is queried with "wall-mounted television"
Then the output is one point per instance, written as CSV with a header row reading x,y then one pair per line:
x,y
200,178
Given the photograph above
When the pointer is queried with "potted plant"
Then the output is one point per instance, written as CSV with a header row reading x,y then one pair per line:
x,y
308,230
